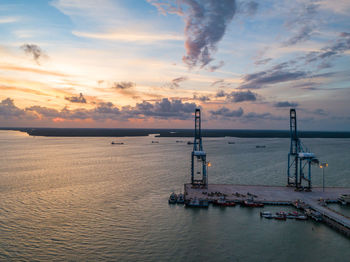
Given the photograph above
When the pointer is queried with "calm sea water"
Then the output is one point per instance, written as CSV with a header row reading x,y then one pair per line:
x,y
82,199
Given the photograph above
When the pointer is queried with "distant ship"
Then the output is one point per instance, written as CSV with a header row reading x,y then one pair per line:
x,y
189,143
260,146
230,142
117,143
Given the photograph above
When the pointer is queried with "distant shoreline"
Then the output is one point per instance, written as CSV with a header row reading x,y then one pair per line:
x,y
121,132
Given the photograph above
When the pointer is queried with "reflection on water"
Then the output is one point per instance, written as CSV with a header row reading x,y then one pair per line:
x,y
85,199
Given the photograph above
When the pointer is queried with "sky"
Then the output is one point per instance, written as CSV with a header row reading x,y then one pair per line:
x,y
150,63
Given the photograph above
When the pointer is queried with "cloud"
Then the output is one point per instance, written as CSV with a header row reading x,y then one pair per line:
x,y
123,85
215,67
248,8
221,93
224,112
205,25
242,96
201,98
32,70
252,116
262,61
221,81
140,37
76,99
286,104
263,78
163,109
8,19
305,21
33,50
9,110
176,81
303,35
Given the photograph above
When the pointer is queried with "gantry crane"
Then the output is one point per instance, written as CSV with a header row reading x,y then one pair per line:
x,y
298,158
199,154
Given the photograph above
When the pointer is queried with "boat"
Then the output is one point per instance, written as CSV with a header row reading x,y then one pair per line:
x,y
301,217
230,143
172,198
190,143
279,217
180,199
266,214
117,143
155,142
197,203
260,146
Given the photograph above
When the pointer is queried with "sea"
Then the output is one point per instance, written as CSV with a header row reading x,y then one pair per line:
x,y
84,199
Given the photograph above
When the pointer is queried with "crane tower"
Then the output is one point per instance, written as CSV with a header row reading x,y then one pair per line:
x,y
298,158
198,156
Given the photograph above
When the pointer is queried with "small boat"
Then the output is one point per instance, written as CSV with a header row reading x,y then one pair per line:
x,y
172,198
190,143
260,146
155,142
117,143
266,214
301,217
231,143
180,199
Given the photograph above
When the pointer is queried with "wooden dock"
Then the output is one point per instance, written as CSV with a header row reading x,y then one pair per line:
x,y
278,195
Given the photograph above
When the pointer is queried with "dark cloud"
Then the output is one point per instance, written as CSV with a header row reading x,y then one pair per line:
x,y
242,96
226,113
76,99
286,104
206,22
9,110
339,46
215,67
260,79
205,25
221,93
201,98
163,109
248,7
123,85
34,51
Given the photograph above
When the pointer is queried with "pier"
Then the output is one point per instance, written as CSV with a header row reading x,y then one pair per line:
x,y
277,195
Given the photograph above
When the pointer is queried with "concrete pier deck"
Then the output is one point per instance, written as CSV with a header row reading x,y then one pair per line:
x,y
277,195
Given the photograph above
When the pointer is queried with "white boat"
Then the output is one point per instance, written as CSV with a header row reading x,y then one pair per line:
x,y
266,214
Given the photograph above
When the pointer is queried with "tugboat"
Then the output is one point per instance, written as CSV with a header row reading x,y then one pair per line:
x,y
251,203
224,203
172,198
180,199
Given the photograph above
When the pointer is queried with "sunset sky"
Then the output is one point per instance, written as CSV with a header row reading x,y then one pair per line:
x,y
149,63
